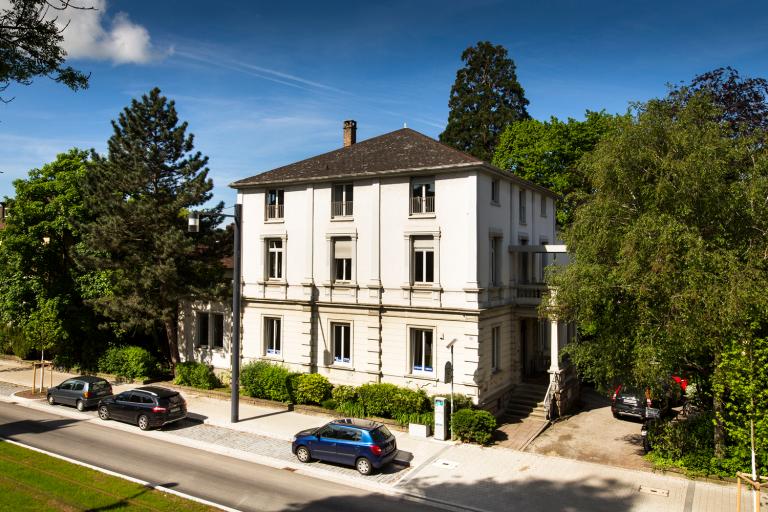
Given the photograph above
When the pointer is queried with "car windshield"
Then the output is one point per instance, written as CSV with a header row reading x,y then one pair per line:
x,y
381,434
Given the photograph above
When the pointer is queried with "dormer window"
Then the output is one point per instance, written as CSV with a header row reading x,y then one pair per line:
x,y
422,196
341,205
275,203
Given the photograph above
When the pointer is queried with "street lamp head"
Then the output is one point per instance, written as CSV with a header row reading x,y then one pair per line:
x,y
452,343
194,222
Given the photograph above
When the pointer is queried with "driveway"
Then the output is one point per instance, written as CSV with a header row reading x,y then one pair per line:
x,y
594,435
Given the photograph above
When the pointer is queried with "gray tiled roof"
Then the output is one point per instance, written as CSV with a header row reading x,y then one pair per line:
x,y
399,150
403,150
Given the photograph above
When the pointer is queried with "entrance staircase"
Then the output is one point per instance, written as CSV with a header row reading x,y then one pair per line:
x,y
525,417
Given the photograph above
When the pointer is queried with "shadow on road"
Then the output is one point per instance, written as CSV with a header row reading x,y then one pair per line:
x,y
595,495
8,430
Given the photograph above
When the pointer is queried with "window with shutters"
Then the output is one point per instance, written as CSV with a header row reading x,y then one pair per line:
x,y
342,260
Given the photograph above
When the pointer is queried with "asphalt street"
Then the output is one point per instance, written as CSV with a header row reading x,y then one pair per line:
x,y
232,482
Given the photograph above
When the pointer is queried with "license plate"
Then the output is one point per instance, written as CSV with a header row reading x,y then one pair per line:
x,y
175,409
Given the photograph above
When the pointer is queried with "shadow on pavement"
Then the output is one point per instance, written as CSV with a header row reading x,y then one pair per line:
x,y
596,495
8,430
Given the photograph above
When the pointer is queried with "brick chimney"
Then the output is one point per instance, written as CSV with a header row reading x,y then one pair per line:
x,y
350,132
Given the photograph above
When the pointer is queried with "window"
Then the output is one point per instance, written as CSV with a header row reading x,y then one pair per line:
x,y
421,350
341,204
522,195
275,203
275,258
423,260
272,336
78,386
495,262
342,343
543,206
210,329
523,277
495,191
423,195
342,259
496,348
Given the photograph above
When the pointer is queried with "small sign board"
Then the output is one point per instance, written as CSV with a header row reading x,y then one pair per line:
x,y
448,372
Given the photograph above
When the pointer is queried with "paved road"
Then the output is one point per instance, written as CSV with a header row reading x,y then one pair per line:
x,y
231,482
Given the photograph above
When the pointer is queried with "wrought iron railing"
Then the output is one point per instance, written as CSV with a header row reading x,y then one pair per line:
x,y
423,204
341,208
274,211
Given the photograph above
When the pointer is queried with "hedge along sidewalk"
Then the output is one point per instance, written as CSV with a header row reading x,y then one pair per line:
x,y
272,408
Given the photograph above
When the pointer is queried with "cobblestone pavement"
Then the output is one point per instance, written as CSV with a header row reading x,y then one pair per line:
x,y
273,448
6,388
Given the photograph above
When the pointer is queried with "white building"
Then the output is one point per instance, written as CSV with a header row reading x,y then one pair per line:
x,y
364,263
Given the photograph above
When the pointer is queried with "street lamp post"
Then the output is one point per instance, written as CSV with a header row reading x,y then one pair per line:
x,y
194,227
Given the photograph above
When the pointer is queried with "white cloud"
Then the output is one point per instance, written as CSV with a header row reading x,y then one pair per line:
x,y
94,34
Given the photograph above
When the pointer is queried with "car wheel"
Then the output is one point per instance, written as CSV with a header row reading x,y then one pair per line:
x,y
364,466
51,400
143,422
80,405
103,412
302,453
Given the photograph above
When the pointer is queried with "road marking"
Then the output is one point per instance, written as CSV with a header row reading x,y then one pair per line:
x,y
689,492
124,477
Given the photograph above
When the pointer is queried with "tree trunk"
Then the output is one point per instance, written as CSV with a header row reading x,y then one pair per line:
x,y
172,333
718,406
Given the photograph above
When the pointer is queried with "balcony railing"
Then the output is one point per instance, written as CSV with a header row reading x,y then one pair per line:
x,y
341,208
274,211
423,204
531,291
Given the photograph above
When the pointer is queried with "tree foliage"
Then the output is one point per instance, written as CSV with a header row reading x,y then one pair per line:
x,y
41,291
31,44
139,195
670,252
485,98
546,153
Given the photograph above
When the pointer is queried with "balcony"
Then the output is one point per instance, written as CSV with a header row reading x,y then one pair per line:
x,y
422,205
341,208
274,211
530,294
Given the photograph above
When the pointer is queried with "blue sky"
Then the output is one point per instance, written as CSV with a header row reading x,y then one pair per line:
x,y
263,84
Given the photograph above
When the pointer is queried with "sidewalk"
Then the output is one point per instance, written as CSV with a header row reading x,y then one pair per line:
x,y
455,476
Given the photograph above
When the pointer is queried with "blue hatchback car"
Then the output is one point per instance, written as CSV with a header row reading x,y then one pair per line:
x,y
364,444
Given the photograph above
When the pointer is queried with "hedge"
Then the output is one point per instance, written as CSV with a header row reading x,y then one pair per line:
x,y
475,426
311,388
376,398
197,375
129,362
262,379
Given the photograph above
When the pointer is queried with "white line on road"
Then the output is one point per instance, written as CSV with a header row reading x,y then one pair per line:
x,y
124,477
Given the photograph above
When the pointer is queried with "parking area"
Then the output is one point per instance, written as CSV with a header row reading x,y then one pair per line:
x,y
594,435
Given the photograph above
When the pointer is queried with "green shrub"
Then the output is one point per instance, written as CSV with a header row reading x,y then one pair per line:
x,y
328,404
459,402
475,426
261,379
408,401
129,362
311,388
376,398
344,394
197,375
422,418
351,409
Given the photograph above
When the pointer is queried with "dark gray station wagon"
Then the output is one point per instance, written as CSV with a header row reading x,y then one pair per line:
x,y
82,392
147,407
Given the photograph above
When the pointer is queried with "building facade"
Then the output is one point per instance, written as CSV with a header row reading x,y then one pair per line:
x,y
366,263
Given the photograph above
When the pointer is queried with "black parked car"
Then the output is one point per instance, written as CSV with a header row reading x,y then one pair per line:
x,y
364,444
642,403
84,391
147,407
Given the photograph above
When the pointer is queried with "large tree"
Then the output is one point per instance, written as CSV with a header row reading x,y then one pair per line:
x,y
546,153
31,44
485,98
139,195
670,263
41,290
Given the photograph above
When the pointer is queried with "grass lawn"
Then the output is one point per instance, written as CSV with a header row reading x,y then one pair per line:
x,y
31,481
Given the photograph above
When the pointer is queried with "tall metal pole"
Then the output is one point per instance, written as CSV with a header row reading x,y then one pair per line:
x,y
236,292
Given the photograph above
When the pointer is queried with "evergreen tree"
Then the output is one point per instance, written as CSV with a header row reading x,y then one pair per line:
x,y
140,194
485,97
